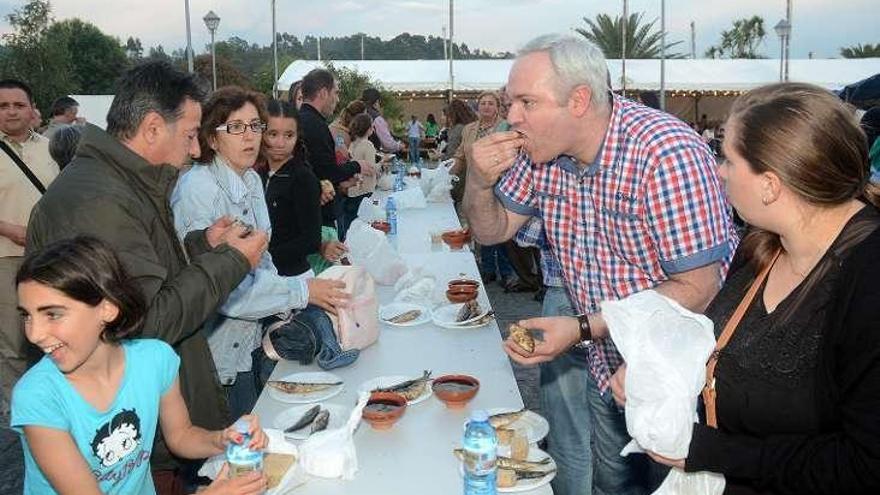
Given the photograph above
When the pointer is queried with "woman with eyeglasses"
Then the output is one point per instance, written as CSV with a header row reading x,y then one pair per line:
x,y
225,184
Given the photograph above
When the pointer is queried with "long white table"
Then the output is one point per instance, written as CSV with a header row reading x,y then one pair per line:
x,y
415,456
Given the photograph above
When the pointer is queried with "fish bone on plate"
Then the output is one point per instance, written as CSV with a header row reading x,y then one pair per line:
x,y
404,314
392,380
524,485
446,316
532,424
528,483
338,416
295,388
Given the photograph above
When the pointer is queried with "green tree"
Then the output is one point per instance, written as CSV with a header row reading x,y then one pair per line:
x,y
861,51
642,39
741,41
134,49
97,60
227,73
158,53
352,83
29,56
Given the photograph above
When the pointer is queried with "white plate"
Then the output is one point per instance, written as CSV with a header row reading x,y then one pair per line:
x,y
338,416
535,454
532,424
307,377
444,316
387,381
394,309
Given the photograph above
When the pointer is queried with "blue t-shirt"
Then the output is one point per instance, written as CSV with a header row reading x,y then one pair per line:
x,y
117,443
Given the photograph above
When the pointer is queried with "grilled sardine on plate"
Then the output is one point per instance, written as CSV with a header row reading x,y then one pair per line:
x,y
405,317
301,387
305,420
410,389
470,309
518,466
501,420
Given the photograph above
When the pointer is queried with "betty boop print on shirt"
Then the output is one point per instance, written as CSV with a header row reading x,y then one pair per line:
x,y
118,438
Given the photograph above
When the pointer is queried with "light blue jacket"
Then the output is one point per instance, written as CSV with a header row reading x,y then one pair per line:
x,y
203,194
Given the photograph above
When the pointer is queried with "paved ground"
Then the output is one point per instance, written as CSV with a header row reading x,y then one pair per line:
x,y
508,308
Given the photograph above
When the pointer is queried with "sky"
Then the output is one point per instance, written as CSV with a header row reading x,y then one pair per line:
x,y
819,26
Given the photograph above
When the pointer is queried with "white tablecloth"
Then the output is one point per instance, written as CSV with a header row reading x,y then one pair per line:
x,y
415,456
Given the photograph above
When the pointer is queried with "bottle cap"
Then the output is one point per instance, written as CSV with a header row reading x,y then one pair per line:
x,y
479,415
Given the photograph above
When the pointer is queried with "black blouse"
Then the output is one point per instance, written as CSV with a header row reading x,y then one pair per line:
x,y
799,388
293,196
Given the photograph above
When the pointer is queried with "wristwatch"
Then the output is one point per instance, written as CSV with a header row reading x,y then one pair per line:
x,y
585,333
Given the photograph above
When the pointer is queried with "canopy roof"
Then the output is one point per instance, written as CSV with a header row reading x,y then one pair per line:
x,y
681,74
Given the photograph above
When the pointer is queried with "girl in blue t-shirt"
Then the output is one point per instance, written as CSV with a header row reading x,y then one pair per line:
x,y
88,411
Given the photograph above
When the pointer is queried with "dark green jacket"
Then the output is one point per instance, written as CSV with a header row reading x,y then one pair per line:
x,y
112,193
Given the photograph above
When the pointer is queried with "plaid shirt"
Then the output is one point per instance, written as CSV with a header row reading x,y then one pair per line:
x,y
532,235
649,206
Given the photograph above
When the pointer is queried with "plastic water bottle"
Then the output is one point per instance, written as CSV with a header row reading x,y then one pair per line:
x,y
399,171
480,444
241,459
391,215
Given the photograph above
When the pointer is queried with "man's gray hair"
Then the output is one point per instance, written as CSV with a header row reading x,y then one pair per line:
x,y
576,62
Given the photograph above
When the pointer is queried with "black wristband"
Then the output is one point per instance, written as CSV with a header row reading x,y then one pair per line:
x,y
585,332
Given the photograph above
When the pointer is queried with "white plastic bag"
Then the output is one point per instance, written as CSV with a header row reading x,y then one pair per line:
x,y
294,477
666,348
370,210
370,249
331,453
409,198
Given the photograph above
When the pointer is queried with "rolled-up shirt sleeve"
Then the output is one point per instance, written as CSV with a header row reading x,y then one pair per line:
x,y
515,190
687,213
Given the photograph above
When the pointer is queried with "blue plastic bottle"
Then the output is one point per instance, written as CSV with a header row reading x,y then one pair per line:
x,y
399,172
391,215
480,444
241,459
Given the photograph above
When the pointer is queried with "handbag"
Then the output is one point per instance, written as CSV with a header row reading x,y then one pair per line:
x,y
357,323
709,393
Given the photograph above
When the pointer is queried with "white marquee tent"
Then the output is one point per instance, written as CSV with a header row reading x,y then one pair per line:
x,y
641,75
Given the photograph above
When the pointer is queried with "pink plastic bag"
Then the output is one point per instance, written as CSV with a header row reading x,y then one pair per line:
x,y
357,324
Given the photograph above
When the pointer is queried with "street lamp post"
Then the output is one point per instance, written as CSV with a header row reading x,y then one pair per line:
x,y
783,30
451,52
189,46
663,55
212,21
623,48
787,36
274,53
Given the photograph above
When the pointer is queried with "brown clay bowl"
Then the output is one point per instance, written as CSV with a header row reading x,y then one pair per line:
x,y
455,390
383,409
463,284
456,239
381,225
457,296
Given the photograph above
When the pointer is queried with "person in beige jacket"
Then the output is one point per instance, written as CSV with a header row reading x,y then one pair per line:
x,y
18,195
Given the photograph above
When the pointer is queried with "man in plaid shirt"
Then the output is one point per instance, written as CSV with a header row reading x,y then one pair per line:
x,y
630,201
564,390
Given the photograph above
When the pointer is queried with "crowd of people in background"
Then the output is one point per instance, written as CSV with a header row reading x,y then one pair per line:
x,y
177,255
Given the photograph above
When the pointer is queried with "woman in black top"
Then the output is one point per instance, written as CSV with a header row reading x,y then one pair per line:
x,y
798,385
293,195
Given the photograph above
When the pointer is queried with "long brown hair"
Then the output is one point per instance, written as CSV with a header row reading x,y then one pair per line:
x,y
459,113
811,140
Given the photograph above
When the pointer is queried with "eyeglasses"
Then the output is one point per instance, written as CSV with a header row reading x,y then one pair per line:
x,y
236,128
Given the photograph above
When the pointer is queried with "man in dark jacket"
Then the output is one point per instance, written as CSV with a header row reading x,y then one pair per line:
x,y
320,94
117,188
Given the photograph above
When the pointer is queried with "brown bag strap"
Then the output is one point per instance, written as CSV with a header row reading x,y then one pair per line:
x,y
709,393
